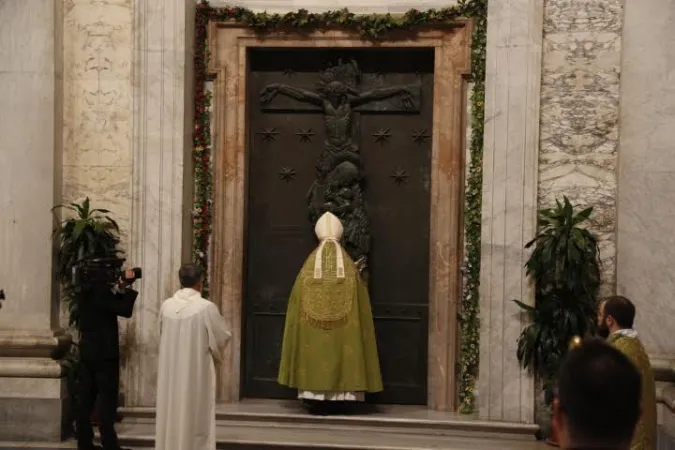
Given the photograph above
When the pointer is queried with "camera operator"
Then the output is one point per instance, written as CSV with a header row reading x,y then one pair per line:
x,y
100,305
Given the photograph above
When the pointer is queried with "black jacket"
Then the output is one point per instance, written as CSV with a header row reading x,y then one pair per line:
x,y
99,333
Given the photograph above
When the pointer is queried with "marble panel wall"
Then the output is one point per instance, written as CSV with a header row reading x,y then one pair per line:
x,y
30,160
513,73
31,384
160,238
162,88
97,112
646,215
97,105
126,130
580,114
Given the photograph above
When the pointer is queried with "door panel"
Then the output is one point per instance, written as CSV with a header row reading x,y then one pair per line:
x,y
285,140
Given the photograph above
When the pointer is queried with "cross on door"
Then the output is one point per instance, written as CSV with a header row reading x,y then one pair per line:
x,y
338,187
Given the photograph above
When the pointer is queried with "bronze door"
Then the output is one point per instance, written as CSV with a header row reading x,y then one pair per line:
x,y
286,139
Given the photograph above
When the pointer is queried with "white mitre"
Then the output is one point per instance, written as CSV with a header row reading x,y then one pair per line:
x,y
328,229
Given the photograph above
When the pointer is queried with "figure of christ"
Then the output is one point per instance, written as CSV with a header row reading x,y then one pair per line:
x,y
338,100
337,188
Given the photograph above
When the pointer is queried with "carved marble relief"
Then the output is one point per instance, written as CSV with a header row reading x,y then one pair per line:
x,y
97,109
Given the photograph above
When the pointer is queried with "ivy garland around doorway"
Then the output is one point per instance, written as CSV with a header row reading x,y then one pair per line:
x,y
372,27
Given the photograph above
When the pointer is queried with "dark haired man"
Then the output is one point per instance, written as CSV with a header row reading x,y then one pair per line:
x,y
192,337
615,323
598,401
99,368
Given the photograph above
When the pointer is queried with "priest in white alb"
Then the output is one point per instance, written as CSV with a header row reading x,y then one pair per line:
x,y
193,336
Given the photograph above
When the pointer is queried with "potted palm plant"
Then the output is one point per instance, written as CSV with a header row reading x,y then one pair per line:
x,y
565,268
84,233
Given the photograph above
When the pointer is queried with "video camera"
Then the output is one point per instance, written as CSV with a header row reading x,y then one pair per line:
x,y
103,271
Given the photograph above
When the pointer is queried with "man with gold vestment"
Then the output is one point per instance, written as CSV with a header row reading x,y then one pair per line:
x,y
329,350
615,322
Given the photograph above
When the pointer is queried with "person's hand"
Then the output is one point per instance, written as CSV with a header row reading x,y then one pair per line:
x,y
269,93
407,100
121,286
129,274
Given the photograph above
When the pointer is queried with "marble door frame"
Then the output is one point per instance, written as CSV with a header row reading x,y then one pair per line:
x,y
161,231
229,43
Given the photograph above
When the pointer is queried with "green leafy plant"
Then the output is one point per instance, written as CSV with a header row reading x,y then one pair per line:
x,y
87,233
565,267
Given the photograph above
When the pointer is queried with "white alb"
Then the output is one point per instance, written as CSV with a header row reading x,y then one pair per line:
x,y
193,335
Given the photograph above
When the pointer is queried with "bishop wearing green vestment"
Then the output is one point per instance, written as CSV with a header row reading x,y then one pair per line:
x,y
329,351
615,322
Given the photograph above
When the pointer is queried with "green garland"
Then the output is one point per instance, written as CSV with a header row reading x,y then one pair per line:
x,y
373,27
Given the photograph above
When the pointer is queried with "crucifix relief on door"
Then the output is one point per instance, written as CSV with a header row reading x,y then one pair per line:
x,y
347,132
339,171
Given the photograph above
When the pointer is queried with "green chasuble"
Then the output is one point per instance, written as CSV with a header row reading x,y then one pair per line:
x,y
645,430
329,338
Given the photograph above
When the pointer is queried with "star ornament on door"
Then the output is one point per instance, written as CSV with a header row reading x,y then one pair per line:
x,y
420,136
400,176
287,174
382,135
305,134
269,134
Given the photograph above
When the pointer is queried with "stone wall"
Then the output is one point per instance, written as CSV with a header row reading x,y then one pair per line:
x,y
98,114
31,382
162,73
112,121
97,105
646,242
97,110
580,114
511,147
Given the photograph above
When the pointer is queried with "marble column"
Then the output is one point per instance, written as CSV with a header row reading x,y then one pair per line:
x,y
513,79
31,383
646,209
161,236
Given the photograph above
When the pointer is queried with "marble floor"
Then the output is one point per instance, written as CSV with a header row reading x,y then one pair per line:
x,y
285,407
285,425
264,437
291,411
272,424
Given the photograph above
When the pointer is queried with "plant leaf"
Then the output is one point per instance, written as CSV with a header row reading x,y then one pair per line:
x,y
85,235
564,265
524,306
114,224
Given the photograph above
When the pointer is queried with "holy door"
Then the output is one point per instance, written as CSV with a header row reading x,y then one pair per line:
x,y
292,133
